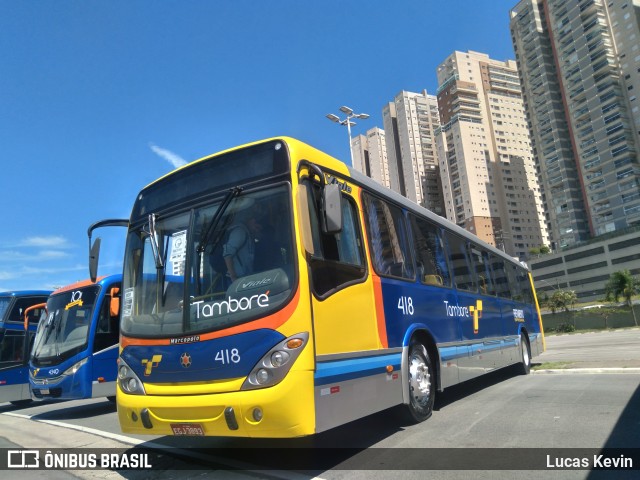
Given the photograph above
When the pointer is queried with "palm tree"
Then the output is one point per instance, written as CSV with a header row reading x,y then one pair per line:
x,y
622,283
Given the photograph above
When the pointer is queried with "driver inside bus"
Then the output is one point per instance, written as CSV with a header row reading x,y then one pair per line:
x,y
239,250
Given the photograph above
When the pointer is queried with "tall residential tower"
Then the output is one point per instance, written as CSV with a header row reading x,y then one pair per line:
x,y
579,63
370,155
486,163
409,125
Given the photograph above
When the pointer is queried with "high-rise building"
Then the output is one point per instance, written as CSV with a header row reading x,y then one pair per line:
x,y
579,63
409,125
370,155
486,164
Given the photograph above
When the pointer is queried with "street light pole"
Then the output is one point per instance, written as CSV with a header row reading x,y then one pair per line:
x,y
347,121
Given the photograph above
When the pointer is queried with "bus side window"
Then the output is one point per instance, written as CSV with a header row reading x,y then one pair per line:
x,y
388,239
430,256
460,263
525,285
20,305
500,276
483,271
512,275
337,259
12,347
107,331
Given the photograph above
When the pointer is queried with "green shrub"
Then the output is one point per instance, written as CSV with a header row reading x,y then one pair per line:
x,y
565,328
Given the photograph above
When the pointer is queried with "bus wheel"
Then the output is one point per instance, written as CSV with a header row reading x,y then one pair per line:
x,y
525,356
421,383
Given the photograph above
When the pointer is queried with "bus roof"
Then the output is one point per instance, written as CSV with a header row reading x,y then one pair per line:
x,y
293,145
102,281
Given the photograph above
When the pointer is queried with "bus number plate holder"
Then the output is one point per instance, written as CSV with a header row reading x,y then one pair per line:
x,y
187,429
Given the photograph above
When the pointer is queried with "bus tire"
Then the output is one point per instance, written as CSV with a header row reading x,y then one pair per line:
x,y
525,356
421,383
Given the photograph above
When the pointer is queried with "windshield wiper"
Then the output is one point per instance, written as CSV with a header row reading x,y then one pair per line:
x,y
204,238
153,238
211,228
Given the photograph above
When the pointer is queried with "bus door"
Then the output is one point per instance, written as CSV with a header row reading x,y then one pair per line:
x,y
343,311
341,303
16,341
105,344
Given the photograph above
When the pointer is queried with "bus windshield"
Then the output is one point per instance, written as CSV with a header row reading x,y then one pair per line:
x,y
65,330
231,260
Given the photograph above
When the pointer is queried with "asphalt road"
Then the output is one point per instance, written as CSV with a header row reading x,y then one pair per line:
x,y
500,410
608,349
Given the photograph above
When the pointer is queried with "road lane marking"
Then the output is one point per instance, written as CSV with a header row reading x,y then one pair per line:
x,y
287,475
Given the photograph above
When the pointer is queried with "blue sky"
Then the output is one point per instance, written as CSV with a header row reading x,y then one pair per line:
x,y
100,98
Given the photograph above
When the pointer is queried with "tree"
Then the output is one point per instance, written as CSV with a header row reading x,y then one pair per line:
x,y
541,250
623,284
562,299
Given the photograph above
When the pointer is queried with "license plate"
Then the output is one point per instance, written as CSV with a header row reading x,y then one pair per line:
x,y
187,429
44,391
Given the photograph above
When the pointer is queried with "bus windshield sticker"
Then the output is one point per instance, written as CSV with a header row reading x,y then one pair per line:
x,y
231,305
76,300
127,307
178,252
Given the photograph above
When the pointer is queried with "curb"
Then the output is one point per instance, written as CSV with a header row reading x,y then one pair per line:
x,y
553,371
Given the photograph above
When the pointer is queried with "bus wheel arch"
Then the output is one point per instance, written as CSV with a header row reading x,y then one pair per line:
x,y
420,376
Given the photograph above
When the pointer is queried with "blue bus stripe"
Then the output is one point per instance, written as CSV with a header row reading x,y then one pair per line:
x,y
353,368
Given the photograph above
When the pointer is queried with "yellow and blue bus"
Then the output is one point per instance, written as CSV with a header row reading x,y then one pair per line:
x,y
350,299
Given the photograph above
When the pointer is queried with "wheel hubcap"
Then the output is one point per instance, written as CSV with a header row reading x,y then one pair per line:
x,y
419,380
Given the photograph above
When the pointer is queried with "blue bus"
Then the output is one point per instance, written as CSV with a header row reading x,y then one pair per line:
x,y
16,338
76,346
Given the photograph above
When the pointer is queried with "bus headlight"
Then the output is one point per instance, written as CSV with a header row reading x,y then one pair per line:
x,y
128,380
74,369
279,358
275,364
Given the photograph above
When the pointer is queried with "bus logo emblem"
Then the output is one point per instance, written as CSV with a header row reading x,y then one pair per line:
x,y
185,360
155,360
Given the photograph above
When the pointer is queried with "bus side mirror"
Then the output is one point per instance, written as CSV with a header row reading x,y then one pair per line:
x,y
94,254
332,209
114,304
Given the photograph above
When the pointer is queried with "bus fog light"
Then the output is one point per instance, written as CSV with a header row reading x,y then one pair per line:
x,y
262,376
279,358
257,414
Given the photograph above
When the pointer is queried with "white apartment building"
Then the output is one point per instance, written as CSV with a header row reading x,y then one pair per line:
x,y
489,181
370,155
409,122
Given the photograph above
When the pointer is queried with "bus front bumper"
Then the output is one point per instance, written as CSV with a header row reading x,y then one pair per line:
x,y
281,411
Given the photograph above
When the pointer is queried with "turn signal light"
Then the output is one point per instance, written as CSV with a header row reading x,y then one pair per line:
x,y
295,343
